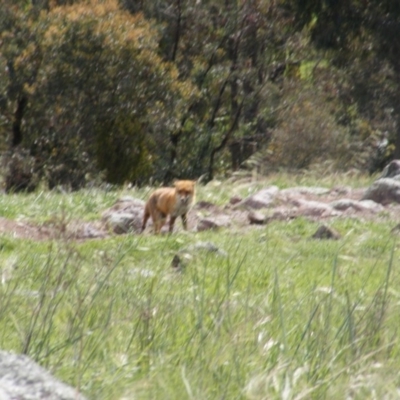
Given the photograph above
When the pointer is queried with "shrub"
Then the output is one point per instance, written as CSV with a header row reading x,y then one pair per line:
x,y
19,173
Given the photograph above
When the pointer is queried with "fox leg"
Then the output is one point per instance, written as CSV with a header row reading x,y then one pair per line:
x,y
146,216
171,223
159,219
184,221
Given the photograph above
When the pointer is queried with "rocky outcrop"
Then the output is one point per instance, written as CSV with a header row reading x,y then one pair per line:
x,y
271,204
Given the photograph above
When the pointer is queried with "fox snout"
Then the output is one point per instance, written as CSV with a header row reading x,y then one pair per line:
x,y
185,198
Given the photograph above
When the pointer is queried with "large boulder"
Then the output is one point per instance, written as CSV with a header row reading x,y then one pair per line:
x,y
126,215
384,191
262,199
23,379
391,170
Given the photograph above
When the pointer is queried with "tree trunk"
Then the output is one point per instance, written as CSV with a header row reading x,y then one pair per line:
x,y
18,116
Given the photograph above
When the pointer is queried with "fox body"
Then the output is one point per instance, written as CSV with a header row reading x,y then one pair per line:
x,y
166,201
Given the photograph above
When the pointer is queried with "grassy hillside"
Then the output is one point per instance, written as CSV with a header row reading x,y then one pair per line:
x,y
273,315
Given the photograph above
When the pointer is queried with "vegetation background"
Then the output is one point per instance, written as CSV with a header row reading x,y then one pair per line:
x,y
138,91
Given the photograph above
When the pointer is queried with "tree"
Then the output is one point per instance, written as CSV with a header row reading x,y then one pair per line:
x,y
101,100
230,50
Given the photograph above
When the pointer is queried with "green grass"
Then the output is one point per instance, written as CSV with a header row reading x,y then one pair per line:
x,y
281,317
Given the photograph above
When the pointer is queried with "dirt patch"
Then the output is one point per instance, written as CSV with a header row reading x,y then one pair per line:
x,y
76,230
22,230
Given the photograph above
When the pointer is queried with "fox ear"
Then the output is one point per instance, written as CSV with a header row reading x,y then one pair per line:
x,y
193,181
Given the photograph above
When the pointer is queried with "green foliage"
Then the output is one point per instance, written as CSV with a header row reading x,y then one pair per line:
x,y
358,38
124,157
134,91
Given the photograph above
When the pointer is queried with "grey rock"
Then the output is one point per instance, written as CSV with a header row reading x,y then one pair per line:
x,y
130,201
391,170
384,191
88,231
363,205
256,218
216,222
235,200
23,379
204,205
344,204
262,199
126,215
314,208
121,223
371,205
282,214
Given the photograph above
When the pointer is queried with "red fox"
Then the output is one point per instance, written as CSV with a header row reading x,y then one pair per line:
x,y
174,202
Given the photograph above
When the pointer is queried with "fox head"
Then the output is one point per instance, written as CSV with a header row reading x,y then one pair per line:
x,y
185,191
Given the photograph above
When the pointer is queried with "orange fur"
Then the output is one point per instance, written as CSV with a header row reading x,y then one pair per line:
x,y
166,201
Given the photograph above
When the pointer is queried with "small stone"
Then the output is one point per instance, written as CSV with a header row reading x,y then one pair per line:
x,y
176,263
208,247
325,232
213,223
256,218
235,200
204,205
